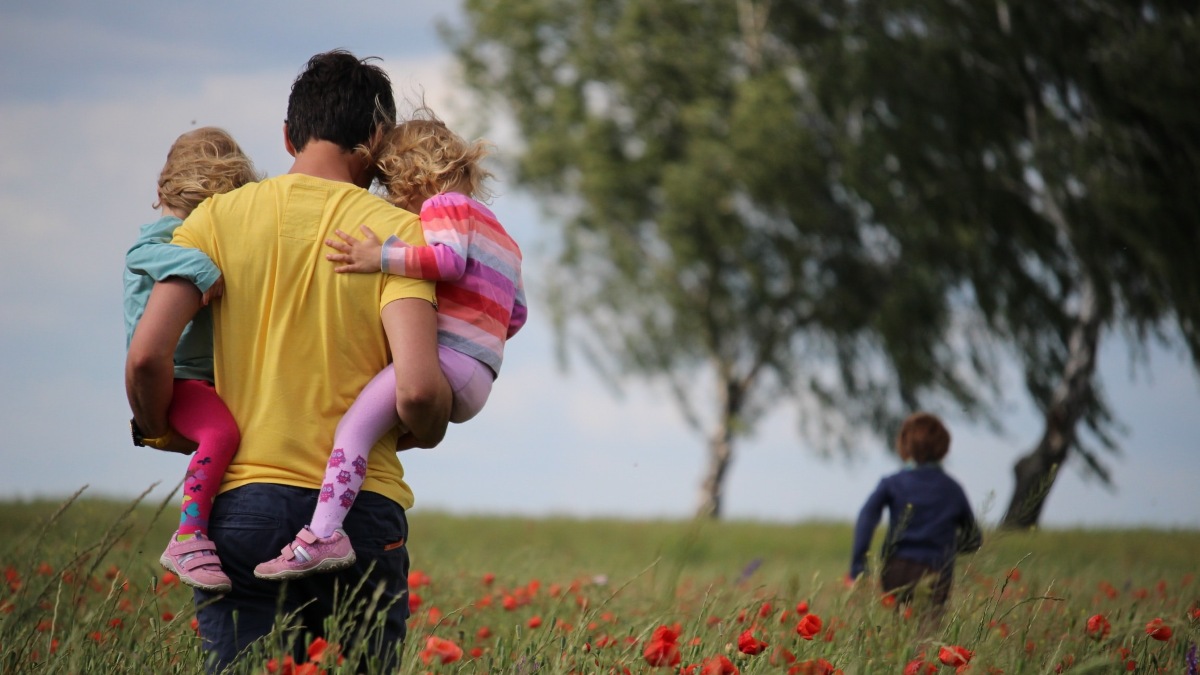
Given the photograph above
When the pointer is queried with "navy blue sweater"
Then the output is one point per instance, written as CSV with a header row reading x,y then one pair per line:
x,y
927,511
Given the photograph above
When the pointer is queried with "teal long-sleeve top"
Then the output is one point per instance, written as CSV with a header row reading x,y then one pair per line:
x,y
152,258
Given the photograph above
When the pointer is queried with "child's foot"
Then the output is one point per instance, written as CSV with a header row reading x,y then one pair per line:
x,y
196,564
309,554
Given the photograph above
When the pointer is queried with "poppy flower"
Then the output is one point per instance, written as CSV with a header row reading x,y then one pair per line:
x,y
1158,630
1098,627
809,626
661,653
317,649
440,650
919,666
750,645
663,647
955,655
718,665
534,621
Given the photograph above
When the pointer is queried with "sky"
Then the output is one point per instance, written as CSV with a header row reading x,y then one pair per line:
x,y
93,94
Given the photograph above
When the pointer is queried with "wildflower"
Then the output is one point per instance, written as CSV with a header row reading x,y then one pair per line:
x,y
750,645
417,578
1065,664
809,626
509,603
483,633
888,600
1098,627
919,666
167,615
317,649
440,650
414,602
476,652
817,667
802,608
955,655
718,665
663,648
44,570
1158,630
489,579
535,621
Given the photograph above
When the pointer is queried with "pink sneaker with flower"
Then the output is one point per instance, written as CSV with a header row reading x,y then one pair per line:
x,y
309,554
196,564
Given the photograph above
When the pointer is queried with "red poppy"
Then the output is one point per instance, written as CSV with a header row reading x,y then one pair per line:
x,y
718,665
802,607
488,579
417,578
888,601
534,621
663,647
440,650
1158,630
809,626
483,633
817,667
919,666
317,649
748,644
414,602
955,655
661,653
1098,627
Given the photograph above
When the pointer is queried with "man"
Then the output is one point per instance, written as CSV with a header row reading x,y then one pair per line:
x,y
294,344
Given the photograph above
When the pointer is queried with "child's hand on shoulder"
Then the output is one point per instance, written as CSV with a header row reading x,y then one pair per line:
x,y
358,255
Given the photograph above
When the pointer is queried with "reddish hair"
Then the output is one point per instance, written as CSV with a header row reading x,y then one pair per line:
x,y
923,438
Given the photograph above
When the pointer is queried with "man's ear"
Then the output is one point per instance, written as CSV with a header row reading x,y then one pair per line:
x,y
287,142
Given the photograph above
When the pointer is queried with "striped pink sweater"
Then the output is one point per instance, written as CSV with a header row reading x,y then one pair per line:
x,y
481,299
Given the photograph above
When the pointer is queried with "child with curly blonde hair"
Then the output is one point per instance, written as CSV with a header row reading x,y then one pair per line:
x,y
429,169
201,163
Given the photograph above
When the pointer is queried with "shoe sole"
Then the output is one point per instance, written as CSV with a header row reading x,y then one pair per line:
x,y
326,565
183,577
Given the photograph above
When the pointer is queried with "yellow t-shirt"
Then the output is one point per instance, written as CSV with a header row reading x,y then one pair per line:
x,y
294,342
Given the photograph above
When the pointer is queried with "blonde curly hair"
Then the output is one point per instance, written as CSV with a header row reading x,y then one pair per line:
x,y
201,163
421,157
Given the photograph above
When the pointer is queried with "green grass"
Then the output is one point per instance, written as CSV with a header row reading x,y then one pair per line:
x,y
83,593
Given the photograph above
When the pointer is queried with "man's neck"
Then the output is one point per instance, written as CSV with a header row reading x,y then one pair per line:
x,y
326,159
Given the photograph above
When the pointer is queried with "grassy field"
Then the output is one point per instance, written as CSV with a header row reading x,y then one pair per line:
x,y
83,593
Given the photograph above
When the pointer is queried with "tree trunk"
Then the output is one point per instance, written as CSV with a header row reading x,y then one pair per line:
x,y
1035,473
720,454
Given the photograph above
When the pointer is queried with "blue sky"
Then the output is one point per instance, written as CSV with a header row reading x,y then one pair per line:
x,y
91,96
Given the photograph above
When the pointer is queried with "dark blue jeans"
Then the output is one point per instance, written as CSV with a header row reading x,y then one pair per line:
x,y
250,524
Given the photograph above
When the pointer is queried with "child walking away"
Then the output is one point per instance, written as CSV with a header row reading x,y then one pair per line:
x,y
201,163
929,518
425,168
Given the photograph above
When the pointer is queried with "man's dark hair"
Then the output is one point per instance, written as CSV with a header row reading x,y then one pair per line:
x,y
339,98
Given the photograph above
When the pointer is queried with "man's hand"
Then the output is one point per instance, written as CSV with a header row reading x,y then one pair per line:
x,y
360,255
215,291
150,362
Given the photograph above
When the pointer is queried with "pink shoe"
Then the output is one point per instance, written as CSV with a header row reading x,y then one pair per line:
x,y
309,554
196,564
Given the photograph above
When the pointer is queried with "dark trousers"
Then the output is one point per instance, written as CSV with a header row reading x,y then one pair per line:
x,y
252,523
901,576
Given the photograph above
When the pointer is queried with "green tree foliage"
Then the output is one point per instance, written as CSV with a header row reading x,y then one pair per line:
x,y
848,205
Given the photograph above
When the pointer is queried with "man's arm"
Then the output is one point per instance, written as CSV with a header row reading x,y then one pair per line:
x,y
423,395
150,363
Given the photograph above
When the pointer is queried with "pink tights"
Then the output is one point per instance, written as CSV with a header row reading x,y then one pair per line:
x,y
199,414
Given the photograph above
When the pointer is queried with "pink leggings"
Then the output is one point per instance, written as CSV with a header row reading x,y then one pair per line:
x,y
372,415
199,414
